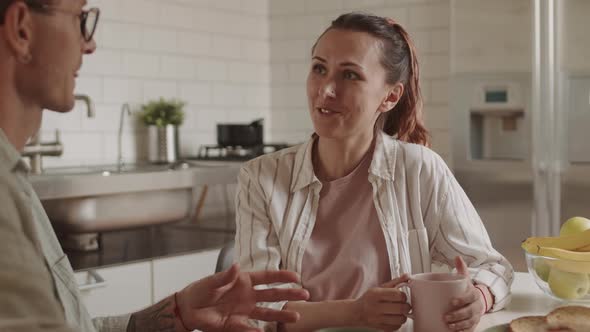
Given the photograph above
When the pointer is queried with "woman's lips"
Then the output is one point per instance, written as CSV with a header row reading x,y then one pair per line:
x,y
325,111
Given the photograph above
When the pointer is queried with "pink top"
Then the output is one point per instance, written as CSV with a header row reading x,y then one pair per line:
x,y
346,253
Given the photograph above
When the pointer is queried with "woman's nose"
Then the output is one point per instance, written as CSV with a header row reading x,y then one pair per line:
x,y
328,90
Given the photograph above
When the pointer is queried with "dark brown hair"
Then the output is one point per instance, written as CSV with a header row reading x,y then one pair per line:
x,y
400,62
34,4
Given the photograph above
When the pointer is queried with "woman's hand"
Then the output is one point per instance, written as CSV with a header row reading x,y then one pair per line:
x,y
467,309
225,301
384,307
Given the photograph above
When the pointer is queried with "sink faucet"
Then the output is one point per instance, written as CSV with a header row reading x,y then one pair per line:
x,y
124,109
89,104
36,149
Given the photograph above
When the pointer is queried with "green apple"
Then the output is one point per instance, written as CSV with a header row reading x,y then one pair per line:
x,y
542,269
568,285
574,225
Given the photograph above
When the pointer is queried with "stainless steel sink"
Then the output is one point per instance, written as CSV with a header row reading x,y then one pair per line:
x,y
106,198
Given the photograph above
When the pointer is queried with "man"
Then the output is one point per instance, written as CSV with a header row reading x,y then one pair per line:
x,y
41,47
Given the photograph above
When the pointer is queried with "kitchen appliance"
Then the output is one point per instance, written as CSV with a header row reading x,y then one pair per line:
x,y
243,135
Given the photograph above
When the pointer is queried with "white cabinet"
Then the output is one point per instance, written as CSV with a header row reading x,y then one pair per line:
x,y
174,273
131,287
126,288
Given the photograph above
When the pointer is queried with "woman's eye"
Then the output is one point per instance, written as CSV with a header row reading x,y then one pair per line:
x,y
350,75
319,69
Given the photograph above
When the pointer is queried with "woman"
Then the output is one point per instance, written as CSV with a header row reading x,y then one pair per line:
x,y
364,202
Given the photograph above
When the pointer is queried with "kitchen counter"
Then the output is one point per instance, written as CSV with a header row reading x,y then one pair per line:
x,y
147,243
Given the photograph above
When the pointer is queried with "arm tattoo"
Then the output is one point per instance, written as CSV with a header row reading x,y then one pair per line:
x,y
157,318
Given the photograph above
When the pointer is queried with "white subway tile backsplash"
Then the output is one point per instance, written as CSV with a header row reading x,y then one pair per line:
x,y
233,5
440,91
231,61
176,16
141,65
117,90
177,67
436,15
102,62
363,4
440,41
159,40
194,43
228,95
259,7
226,47
399,14
279,72
121,35
196,93
82,145
258,96
63,121
435,66
160,89
256,50
286,7
315,6
208,117
243,116
298,72
106,120
437,117
212,70
91,86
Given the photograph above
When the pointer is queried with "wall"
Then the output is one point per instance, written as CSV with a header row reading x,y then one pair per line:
x,y
491,36
231,60
214,54
294,27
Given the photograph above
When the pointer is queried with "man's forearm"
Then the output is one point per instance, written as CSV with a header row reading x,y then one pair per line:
x,y
157,318
317,315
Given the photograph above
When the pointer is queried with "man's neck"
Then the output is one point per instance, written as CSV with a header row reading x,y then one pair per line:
x,y
18,120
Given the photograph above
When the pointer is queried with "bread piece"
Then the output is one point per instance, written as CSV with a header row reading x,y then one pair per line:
x,y
528,324
574,318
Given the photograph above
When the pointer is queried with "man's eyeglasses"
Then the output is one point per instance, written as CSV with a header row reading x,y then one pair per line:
x,y
88,18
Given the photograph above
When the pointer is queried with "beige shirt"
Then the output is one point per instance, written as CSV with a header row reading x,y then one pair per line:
x,y
346,253
424,214
38,290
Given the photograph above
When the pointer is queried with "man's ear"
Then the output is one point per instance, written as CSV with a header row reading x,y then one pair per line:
x,y
393,96
18,31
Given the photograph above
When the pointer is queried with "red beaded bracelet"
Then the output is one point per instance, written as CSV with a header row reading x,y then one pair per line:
x,y
177,313
484,299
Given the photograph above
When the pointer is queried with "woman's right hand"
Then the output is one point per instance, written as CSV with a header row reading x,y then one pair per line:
x,y
384,307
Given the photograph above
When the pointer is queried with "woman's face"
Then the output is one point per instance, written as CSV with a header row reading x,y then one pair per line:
x,y
346,87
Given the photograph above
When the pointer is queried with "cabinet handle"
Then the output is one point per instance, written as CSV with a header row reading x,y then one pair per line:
x,y
94,280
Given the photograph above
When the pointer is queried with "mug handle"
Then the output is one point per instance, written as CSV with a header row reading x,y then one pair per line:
x,y
406,284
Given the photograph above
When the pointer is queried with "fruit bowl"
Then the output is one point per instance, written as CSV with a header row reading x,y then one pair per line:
x,y
561,279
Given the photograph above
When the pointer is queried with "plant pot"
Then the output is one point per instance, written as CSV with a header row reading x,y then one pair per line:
x,y
163,144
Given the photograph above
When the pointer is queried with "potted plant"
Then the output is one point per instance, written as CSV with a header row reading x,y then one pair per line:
x,y
162,117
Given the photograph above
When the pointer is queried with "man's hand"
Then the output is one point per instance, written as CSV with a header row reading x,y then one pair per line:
x,y
225,301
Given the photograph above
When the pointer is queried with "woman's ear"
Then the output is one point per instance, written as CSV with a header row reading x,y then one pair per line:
x,y
393,96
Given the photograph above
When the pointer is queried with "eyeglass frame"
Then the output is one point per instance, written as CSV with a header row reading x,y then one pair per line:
x,y
83,16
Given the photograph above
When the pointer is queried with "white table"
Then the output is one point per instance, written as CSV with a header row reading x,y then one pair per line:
x,y
527,299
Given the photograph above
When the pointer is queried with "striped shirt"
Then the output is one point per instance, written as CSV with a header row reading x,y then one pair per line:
x,y
425,214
